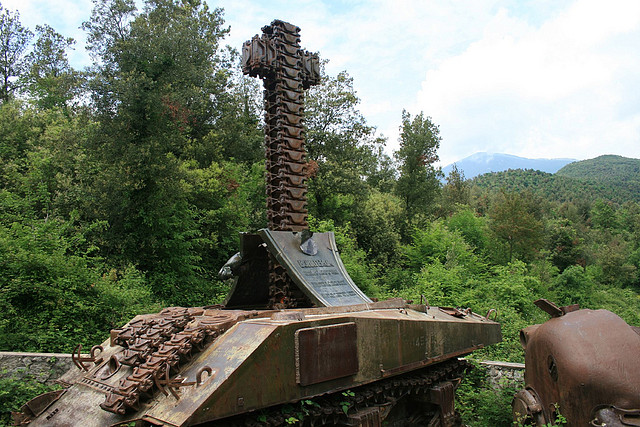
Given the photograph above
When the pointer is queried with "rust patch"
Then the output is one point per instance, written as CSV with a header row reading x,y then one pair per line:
x,y
326,353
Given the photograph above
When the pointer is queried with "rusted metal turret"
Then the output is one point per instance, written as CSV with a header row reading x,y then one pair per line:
x,y
583,365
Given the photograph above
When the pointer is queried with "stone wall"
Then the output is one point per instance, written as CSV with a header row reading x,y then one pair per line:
x,y
501,374
44,367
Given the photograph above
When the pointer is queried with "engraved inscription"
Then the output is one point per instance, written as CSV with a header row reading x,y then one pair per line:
x,y
326,279
314,263
321,276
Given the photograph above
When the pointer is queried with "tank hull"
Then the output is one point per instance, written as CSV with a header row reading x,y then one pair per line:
x,y
278,357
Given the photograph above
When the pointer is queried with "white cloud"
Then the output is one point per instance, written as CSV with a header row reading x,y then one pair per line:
x,y
547,91
541,79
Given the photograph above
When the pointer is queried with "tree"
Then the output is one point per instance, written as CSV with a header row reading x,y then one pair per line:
x,y
565,245
418,183
603,216
473,228
238,135
455,191
14,41
377,223
342,145
516,221
157,86
50,80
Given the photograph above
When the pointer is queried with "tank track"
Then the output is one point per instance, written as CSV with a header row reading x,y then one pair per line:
x,y
283,293
284,81
287,70
156,345
329,410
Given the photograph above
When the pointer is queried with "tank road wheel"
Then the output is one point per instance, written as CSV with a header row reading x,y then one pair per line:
x,y
527,410
411,411
434,408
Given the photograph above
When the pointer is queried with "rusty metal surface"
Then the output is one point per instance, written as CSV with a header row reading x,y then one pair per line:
x,y
252,365
443,396
381,344
581,361
399,401
325,353
286,70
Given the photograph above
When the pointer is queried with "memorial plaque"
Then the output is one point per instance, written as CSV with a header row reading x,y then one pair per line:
x,y
322,277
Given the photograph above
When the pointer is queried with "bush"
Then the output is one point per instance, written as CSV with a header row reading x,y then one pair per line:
x,y
14,392
481,405
52,299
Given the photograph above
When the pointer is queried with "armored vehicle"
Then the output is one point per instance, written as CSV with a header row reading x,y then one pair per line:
x,y
581,365
296,341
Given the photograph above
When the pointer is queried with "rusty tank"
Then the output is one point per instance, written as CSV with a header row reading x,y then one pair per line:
x,y
296,342
581,365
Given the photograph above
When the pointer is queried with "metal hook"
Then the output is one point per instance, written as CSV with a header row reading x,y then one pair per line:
x,y
78,359
210,373
493,310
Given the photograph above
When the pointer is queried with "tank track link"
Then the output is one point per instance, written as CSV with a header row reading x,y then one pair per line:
x,y
155,346
286,70
283,292
329,410
284,130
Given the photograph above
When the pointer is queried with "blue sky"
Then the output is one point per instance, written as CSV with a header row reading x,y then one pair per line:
x,y
539,79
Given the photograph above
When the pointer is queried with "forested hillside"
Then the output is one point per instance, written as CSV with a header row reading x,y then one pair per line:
x,y
612,178
123,188
609,168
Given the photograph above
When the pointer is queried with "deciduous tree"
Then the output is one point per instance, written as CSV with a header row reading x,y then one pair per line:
x,y
14,42
418,183
50,79
516,221
343,146
157,86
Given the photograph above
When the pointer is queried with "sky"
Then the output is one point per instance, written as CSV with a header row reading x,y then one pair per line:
x,y
532,78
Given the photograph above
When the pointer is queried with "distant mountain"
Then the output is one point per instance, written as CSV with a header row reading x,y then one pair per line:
x,y
612,178
481,163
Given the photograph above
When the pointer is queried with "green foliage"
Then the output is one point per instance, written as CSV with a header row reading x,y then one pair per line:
x,y
603,216
565,245
608,168
59,298
134,200
346,404
14,392
515,221
472,227
573,286
418,183
14,42
342,146
159,89
588,186
51,81
377,225
455,192
480,404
